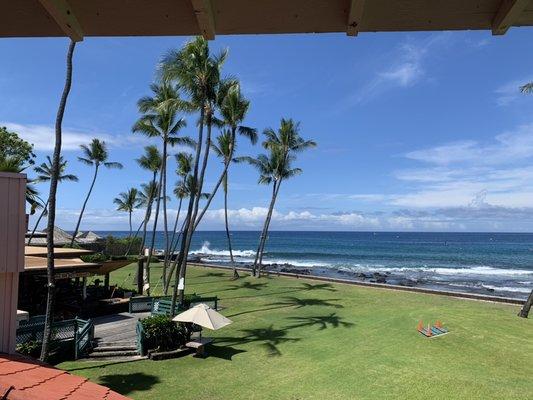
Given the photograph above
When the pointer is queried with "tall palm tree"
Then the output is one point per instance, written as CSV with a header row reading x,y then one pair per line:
x,y
44,174
95,154
224,149
128,202
52,207
159,119
276,167
151,160
198,73
233,108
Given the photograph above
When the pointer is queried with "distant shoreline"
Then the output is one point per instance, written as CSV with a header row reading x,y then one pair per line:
x,y
462,295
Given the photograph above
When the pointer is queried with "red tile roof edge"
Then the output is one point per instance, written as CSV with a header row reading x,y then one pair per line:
x,y
21,378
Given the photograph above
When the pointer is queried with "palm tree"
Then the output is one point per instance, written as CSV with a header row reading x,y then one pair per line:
x,y
160,120
224,149
47,332
233,108
276,167
95,154
44,174
128,202
150,161
527,88
197,72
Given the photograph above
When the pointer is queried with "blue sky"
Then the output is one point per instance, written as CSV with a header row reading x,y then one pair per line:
x,y
421,131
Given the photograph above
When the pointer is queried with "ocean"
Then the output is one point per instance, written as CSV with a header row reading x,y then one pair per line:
x,y
486,263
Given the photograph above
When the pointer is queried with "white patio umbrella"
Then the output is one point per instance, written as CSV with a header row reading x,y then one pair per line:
x,y
203,315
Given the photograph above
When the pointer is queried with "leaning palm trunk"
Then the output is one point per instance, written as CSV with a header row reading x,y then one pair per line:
x,y
176,261
219,182
256,268
269,219
228,236
84,205
181,260
156,217
130,244
524,312
52,208
199,187
43,212
174,230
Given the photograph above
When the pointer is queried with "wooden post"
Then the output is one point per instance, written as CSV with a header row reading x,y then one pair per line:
x,y
140,271
524,312
84,288
12,230
106,282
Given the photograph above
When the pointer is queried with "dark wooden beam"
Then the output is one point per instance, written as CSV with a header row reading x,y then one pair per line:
x,y
507,14
203,10
355,16
62,13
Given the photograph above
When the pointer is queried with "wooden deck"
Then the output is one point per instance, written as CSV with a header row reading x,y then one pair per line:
x,y
116,327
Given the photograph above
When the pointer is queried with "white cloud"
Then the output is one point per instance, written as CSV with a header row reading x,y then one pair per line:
x,y
43,137
458,172
407,68
509,92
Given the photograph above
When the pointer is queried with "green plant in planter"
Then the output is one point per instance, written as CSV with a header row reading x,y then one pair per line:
x,y
162,333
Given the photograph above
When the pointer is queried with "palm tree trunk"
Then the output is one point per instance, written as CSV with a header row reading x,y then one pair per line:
x,y
131,229
524,312
165,218
147,215
256,269
38,221
168,277
228,236
134,237
176,260
190,231
84,205
157,208
182,257
220,179
269,219
52,208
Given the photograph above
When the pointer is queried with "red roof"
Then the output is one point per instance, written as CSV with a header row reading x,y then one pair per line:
x,y
24,379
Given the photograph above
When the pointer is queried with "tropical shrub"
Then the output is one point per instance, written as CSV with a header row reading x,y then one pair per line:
x,y
115,246
30,348
162,334
95,258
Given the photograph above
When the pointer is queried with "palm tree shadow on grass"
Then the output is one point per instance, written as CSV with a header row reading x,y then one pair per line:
x,y
223,352
128,383
300,303
268,337
322,321
318,286
243,285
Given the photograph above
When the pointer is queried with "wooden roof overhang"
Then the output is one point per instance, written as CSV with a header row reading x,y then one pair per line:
x,y
64,267
59,252
79,18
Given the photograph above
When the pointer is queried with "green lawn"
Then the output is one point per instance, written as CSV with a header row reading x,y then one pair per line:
x,y
302,339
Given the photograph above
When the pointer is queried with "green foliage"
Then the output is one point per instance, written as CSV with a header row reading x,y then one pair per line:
x,y
162,333
31,348
115,246
14,151
95,258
